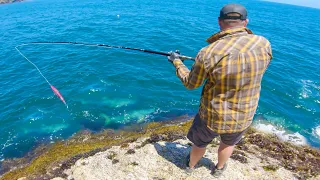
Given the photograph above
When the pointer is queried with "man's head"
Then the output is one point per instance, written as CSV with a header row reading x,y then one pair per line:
x,y
233,15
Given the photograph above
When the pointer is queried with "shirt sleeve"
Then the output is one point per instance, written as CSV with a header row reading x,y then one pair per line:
x,y
194,78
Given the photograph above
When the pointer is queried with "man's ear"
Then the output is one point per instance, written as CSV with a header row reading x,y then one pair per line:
x,y
246,22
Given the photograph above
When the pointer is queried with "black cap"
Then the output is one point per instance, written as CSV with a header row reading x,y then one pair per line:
x,y
233,8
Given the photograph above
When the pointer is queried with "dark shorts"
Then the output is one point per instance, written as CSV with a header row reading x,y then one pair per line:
x,y
200,135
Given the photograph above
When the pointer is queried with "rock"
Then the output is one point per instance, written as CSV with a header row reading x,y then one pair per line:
x,y
112,155
115,161
162,156
58,178
131,151
166,160
70,178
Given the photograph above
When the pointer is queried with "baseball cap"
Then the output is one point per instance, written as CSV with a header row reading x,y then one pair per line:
x,y
233,8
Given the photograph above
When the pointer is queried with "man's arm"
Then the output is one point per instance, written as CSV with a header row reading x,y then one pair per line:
x,y
194,78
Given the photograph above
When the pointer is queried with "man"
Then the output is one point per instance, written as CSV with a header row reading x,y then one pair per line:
x,y
233,65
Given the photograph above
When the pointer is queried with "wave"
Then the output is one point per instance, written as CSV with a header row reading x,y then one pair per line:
x,y
316,132
282,134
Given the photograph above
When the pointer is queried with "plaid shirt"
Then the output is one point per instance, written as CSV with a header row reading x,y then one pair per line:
x,y
233,65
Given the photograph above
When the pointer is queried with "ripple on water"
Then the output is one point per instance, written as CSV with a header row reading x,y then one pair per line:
x,y
109,86
309,89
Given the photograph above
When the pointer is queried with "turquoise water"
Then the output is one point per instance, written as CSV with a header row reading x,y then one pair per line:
x,y
110,88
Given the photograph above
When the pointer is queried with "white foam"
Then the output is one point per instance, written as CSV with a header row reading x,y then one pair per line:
x,y
295,138
86,113
305,93
159,111
34,119
316,132
94,90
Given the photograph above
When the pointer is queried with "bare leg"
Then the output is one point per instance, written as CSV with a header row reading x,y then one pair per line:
x,y
224,153
195,155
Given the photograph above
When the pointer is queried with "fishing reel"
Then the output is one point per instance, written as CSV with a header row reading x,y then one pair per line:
x,y
181,56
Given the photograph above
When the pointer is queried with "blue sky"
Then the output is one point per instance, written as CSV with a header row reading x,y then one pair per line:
x,y
308,3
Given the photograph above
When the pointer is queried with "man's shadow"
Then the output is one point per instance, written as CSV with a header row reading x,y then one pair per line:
x,y
176,153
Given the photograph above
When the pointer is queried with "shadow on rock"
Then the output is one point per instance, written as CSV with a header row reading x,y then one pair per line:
x,y
176,153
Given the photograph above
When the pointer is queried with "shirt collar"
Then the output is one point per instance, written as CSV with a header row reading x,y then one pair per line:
x,y
228,32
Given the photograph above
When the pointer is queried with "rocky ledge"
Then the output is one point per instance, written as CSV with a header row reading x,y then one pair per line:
x,y
158,151
9,1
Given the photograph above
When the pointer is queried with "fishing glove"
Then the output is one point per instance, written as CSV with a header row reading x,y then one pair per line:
x,y
173,56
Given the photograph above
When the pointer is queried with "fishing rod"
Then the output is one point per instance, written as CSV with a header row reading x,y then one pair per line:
x,y
55,90
182,57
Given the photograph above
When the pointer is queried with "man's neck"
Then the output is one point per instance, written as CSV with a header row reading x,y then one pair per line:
x,y
233,27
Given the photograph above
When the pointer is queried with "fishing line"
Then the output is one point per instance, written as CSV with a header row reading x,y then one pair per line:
x,y
55,90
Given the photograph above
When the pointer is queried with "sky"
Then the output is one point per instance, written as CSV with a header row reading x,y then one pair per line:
x,y
308,3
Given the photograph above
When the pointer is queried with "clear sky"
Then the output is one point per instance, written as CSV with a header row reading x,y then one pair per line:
x,y
308,3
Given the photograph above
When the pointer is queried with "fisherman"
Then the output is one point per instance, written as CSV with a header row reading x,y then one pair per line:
x,y
232,66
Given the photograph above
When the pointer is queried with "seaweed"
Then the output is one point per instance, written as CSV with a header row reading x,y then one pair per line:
x,y
303,160
239,156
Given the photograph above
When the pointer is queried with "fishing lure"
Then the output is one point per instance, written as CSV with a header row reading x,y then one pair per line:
x,y
55,90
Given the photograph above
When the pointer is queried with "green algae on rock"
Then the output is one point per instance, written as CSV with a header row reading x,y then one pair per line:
x,y
271,167
302,160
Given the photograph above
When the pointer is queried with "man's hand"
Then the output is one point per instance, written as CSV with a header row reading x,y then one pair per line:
x,y
173,56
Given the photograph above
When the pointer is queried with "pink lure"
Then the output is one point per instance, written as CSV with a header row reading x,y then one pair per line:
x,y
56,92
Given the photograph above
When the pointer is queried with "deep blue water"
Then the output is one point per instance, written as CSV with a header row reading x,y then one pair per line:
x,y
110,88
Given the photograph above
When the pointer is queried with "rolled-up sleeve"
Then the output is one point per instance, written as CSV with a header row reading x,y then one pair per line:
x,y
194,78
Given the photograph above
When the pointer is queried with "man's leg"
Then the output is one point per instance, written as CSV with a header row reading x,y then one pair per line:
x,y
200,136
224,153
195,155
228,141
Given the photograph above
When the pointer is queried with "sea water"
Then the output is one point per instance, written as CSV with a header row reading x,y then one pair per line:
x,y
112,88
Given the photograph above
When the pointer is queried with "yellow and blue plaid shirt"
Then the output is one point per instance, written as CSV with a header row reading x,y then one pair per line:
x,y
233,65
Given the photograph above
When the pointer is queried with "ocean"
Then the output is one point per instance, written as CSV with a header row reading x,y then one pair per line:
x,y
113,88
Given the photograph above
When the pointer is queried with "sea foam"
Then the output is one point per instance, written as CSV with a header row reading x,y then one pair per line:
x,y
295,138
316,132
